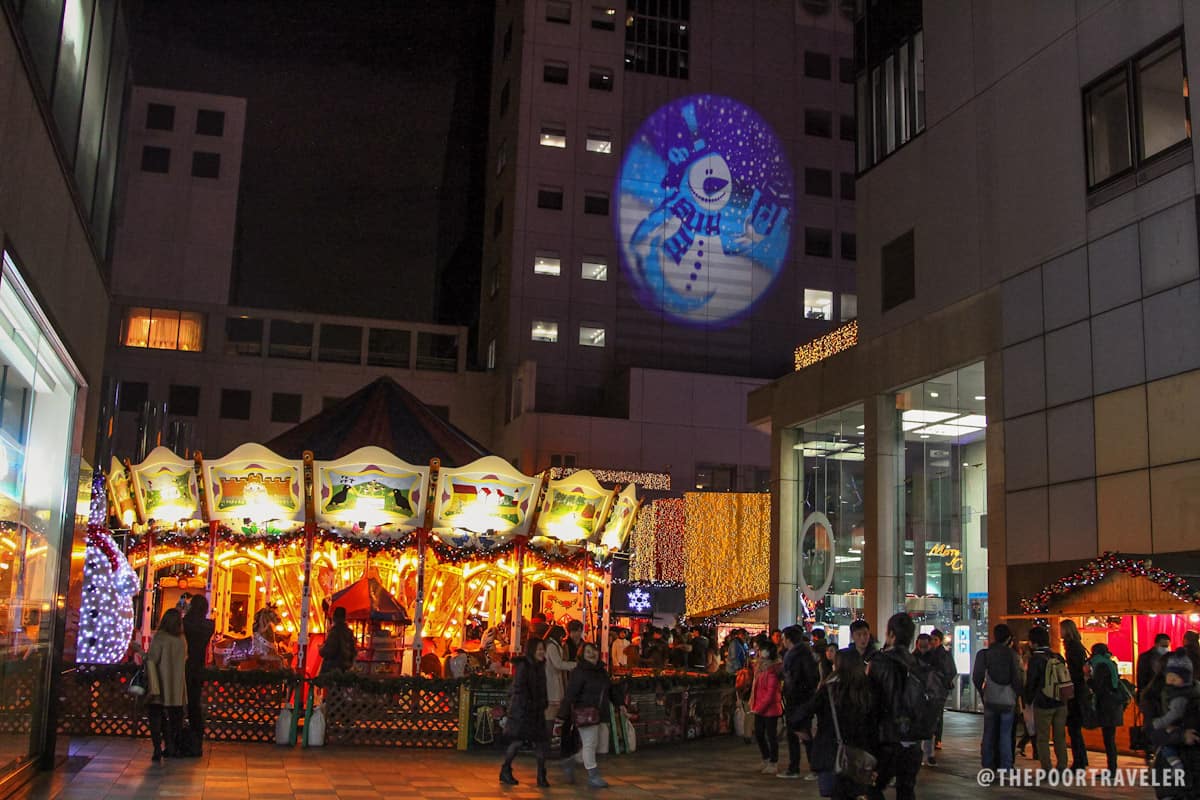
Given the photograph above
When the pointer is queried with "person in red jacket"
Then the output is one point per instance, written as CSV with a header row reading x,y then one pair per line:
x,y
766,701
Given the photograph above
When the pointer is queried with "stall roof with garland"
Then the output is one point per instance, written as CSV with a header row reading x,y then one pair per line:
x,y
1181,580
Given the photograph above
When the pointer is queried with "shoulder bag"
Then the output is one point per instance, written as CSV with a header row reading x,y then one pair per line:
x,y
585,715
852,763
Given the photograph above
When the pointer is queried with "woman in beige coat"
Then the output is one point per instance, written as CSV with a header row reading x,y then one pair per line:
x,y
166,674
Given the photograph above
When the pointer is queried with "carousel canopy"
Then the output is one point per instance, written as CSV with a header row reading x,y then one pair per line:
x,y
366,599
385,414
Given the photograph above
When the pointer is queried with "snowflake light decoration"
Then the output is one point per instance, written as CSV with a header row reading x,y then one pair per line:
x,y
639,600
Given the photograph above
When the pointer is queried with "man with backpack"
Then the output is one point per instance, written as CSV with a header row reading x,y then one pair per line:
x,y
1047,689
999,680
912,695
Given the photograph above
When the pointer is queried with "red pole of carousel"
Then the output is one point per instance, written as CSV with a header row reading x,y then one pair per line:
x,y
310,531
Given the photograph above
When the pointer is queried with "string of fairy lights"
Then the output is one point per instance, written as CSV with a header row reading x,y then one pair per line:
x,y
823,347
727,539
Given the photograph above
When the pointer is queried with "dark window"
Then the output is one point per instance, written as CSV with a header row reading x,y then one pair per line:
x,y
291,339
134,395
846,127
156,159
601,79
558,11
160,117
210,123
498,218
1137,112
505,91
243,336
849,247
899,271
716,477
818,242
286,407
550,198
437,351
329,402
206,165
183,401
388,348
595,203
235,404
658,37
889,94
818,122
604,18
555,72
817,65
340,344
506,47
846,70
847,186
818,182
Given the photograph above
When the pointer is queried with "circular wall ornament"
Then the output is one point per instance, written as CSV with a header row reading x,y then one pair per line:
x,y
817,559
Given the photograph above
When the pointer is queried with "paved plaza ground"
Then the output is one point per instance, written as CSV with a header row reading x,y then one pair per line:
x,y
120,769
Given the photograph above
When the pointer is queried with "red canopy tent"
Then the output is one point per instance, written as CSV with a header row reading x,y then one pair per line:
x,y
366,600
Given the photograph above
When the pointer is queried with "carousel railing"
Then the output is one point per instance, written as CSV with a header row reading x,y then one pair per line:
x,y
240,705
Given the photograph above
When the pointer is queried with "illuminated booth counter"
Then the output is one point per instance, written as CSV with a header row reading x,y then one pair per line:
x,y
435,554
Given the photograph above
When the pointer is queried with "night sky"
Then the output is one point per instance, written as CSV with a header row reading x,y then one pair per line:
x,y
366,125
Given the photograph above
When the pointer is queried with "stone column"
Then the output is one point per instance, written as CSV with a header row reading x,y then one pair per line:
x,y
883,479
786,486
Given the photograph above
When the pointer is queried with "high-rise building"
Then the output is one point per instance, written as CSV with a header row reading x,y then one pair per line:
x,y
1028,357
669,209
64,70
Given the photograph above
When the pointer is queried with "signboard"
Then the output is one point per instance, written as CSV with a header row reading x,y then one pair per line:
x,y
573,508
562,607
253,483
704,210
620,520
962,649
371,488
120,494
166,487
483,504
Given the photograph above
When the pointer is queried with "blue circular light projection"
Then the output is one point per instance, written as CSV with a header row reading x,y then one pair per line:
x,y
704,210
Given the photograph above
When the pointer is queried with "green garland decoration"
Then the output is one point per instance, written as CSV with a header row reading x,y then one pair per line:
x,y
400,685
88,673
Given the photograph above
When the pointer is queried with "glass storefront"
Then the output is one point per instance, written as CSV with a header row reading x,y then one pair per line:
x,y
38,390
831,463
940,481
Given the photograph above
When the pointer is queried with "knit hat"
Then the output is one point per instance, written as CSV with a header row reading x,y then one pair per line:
x,y
1179,663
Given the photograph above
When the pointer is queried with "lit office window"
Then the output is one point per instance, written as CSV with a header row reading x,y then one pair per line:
x,y
544,331
595,269
547,263
163,329
818,304
553,136
591,336
599,141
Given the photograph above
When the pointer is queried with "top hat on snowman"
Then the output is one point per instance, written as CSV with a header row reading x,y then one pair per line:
x,y
700,171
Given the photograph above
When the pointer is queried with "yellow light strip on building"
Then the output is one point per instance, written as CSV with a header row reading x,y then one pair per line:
x,y
823,347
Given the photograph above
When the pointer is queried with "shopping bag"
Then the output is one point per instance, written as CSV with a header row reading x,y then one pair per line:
x,y
630,732
602,744
739,720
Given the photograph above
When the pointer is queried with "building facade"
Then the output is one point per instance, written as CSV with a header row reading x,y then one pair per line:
x,y
669,191
63,85
1029,327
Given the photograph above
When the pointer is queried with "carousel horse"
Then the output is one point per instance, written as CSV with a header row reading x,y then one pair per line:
x,y
260,646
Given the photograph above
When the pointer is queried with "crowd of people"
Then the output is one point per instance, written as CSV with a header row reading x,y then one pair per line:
x,y
1049,698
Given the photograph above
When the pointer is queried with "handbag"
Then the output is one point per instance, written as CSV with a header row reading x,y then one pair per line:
x,y
852,763
585,715
139,684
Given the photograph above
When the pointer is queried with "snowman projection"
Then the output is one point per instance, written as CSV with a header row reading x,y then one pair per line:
x,y
106,605
705,210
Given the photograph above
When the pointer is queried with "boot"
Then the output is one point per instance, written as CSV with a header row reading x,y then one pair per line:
x,y
569,770
506,776
541,774
594,779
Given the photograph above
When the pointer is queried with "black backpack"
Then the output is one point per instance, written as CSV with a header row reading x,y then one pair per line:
x,y
920,697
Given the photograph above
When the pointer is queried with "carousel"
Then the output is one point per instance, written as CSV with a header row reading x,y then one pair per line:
x,y
432,559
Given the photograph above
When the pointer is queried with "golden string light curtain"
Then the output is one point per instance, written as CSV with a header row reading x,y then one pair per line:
x,y
727,542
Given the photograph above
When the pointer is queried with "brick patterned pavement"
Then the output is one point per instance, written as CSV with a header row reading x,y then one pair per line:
x,y
120,769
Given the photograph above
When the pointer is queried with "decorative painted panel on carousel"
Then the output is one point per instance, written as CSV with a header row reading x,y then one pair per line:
x,y
483,505
371,492
166,488
255,490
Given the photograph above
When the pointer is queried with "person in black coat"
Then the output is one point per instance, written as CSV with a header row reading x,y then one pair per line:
x,y
587,688
857,707
340,648
198,630
1110,699
1077,656
526,720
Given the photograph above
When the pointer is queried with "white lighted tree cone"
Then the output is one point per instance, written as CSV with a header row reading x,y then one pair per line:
x,y
816,560
106,606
